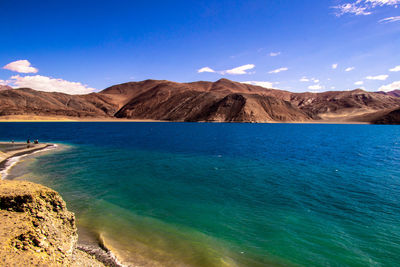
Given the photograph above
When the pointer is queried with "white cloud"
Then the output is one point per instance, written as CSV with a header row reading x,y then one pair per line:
x,y
363,7
278,70
350,69
262,83
390,87
305,79
21,66
235,71
4,82
390,19
48,84
378,77
315,87
333,87
239,70
359,83
205,69
334,66
397,68
274,54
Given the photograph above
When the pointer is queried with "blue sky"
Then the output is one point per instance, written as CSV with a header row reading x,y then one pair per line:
x,y
82,46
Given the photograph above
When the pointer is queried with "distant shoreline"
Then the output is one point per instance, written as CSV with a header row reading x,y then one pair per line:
x,y
28,118
23,118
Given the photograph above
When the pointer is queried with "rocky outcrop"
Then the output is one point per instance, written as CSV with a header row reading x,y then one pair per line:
x,y
37,229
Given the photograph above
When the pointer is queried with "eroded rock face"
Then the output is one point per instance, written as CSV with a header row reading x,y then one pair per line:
x,y
35,226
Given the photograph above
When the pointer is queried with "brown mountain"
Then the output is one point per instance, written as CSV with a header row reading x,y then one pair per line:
x,y
225,100
392,117
343,105
5,87
25,101
395,93
220,101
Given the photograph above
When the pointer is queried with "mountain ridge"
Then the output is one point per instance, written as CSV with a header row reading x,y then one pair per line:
x,y
5,87
220,101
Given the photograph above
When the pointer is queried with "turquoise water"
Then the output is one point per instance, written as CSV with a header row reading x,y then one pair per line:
x,y
196,194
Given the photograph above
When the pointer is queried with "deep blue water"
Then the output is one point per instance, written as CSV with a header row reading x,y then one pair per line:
x,y
199,194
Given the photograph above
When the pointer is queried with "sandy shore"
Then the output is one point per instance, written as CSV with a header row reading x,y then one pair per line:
x,y
10,150
29,118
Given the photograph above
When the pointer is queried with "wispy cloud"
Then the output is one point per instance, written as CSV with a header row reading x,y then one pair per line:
x,y
390,87
351,8
274,54
349,69
48,84
278,70
362,7
262,83
205,69
21,66
395,69
359,83
390,19
377,77
375,3
334,66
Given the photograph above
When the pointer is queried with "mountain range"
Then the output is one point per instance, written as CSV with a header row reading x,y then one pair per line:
x,y
220,101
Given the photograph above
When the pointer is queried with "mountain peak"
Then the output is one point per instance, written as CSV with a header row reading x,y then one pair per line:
x,y
5,87
224,80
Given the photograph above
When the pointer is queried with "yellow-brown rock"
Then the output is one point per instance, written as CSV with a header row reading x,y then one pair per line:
x,y
36,228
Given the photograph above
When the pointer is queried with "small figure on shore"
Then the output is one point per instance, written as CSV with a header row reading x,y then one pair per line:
x,y
36,141
12,141
28,143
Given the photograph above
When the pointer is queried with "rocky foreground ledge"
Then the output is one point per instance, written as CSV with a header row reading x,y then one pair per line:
x,y
36,229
